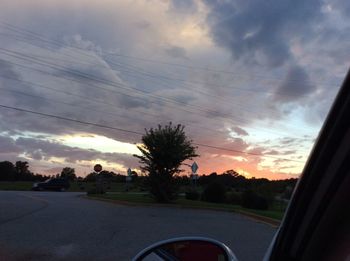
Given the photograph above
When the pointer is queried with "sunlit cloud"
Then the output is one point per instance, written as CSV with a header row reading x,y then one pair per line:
x,y
98,143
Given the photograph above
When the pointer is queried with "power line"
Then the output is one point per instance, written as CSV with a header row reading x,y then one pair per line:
x,y
114,84
136,72
219,71
71,120
152,75
105,103
132,132
88,99
60,44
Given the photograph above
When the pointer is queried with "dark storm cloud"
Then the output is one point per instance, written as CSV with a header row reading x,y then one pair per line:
x,y
253,28
295,85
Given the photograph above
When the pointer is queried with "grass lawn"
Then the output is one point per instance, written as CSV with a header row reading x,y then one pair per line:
x,y
145,199
16,185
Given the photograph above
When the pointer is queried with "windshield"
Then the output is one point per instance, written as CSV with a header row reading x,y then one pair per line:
x,y
101,92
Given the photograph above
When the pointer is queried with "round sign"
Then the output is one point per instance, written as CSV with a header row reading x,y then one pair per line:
x,y
97,167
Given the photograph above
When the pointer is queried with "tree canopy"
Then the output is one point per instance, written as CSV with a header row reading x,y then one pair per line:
x,y
163,151
68,173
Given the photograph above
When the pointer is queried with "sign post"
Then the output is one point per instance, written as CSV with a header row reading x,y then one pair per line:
x,y
99,178
194,176
128,179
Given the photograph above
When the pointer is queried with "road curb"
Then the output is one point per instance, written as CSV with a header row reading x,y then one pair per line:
x,y
266,220
270,221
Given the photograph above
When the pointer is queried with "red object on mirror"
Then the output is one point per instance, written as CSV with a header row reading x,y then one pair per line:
x,y
196,250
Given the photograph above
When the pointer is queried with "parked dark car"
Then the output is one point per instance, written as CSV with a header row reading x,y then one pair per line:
x,y
52,184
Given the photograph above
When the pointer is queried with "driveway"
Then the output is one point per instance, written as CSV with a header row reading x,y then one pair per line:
x,y
65,226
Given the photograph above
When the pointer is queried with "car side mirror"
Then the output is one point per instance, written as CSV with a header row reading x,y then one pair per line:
x,y
186,249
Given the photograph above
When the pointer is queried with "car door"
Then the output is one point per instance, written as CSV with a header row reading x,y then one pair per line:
x,y
317,223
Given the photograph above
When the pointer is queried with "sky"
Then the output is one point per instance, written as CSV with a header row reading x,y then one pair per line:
x,y
252,81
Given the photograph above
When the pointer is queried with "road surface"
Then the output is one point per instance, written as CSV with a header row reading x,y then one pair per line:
x,y
66,226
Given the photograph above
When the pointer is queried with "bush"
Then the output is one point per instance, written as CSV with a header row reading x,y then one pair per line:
x,y
252,200
192,194
233,198
214,192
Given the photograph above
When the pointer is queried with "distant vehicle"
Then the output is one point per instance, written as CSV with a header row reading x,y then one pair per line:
x,y
51,184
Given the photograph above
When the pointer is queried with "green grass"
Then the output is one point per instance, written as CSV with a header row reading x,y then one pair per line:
x,y
182,202
16,185
275,214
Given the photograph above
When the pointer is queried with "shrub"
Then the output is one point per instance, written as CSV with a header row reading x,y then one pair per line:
x,y
214,192
192,194
252,200
233,198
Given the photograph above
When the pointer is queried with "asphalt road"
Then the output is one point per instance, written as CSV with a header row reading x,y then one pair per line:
x,y
64,226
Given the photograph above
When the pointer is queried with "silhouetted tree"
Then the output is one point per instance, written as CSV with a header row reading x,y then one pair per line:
x,y
22,171
163,151
68,173
91,177
7,170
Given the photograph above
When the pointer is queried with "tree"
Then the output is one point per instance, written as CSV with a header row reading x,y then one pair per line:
x,y
68,173
22,170
7,170
163,151
22,167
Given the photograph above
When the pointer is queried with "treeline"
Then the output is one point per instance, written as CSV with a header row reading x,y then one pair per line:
x,y
18,172
109,176
232,188
232,180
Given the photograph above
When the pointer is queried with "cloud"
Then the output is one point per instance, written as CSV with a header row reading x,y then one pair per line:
x,y
260,31
45,150
183,5
14,91
240,131
341,5
176,52
295,85
7,145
